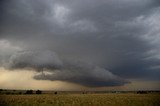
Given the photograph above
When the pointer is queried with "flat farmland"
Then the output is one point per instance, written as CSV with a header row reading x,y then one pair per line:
x,y
106,99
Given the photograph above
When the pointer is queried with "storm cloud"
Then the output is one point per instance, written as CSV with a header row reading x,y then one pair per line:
x,y
84,74
93,43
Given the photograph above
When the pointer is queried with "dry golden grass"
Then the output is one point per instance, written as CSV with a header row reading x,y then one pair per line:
x,y
81,100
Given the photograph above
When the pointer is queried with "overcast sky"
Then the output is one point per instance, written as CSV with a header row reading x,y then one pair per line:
x,y
93,43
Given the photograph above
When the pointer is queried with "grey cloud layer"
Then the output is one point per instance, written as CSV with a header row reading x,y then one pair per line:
x,y
120,35
35,59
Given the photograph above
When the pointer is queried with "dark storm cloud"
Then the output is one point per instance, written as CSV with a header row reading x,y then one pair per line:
x,y
119,37
13,57
84,74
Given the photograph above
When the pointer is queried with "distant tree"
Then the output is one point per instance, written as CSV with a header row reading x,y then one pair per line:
x,y
84,92
142,92
29,92
38,92
7,93
55,93
1,89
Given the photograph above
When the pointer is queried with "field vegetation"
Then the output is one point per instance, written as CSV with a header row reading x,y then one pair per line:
x,y
80,99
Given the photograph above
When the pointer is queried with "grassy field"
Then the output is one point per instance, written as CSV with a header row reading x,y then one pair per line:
x,y
108,99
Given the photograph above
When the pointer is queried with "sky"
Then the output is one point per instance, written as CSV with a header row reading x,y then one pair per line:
x,y
80,44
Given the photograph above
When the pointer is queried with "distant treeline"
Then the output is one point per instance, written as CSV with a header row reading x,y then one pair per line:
x,y
31,92
10,92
